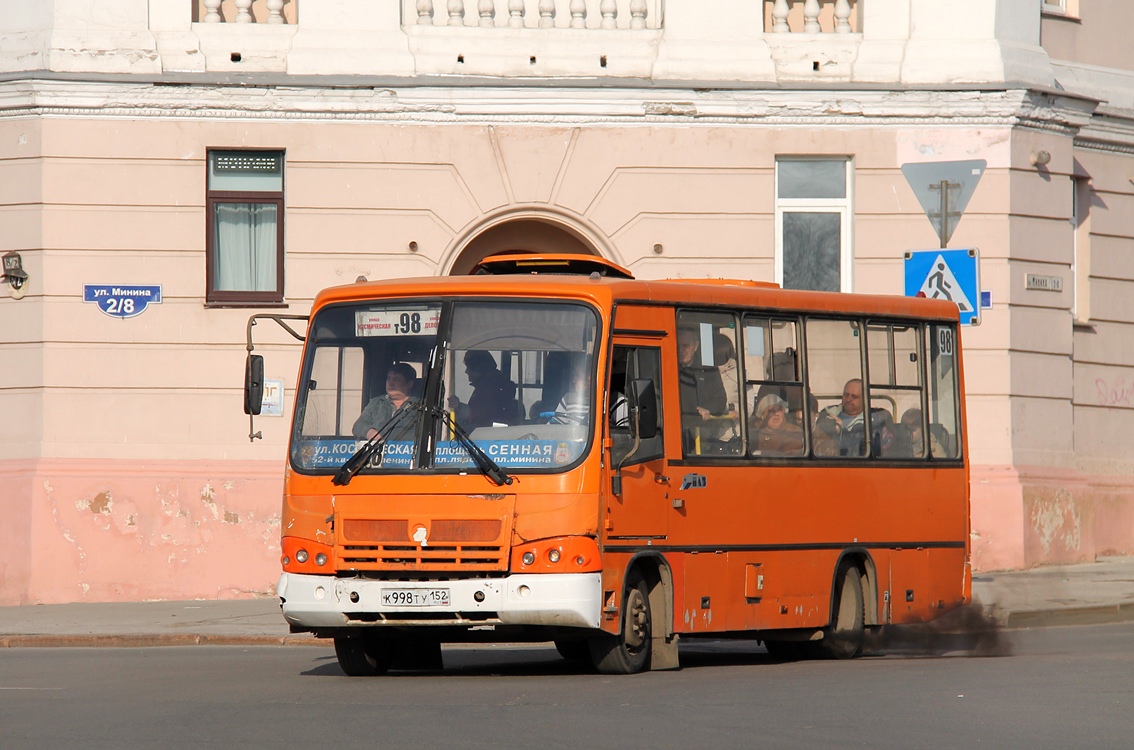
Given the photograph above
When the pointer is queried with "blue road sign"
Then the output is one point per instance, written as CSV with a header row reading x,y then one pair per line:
x,y
122,300
952,275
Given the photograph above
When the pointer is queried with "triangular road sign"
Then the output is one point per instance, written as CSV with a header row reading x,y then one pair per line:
x,y
940,283
943,188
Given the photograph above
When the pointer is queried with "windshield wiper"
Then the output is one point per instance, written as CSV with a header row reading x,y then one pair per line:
x,y
354,464
483,461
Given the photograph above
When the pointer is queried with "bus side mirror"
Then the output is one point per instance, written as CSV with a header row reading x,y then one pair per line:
x,y
253,384
643,409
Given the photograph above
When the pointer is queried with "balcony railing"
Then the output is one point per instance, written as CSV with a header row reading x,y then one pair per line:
x,y
811,16
535,14
244,11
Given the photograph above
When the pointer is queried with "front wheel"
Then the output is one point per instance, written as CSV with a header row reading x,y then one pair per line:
x,y
844,636
364,655
629,651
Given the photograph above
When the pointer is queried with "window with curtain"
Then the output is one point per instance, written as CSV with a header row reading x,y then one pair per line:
x,y
244,244
813,210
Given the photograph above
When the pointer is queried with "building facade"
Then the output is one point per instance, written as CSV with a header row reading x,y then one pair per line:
x,y
212,159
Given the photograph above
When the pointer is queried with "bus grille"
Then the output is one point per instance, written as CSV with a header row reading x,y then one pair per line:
x,y
450,544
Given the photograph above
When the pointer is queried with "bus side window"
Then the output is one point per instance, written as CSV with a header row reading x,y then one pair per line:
x,y
709,411
632,363
944,434
894,373
834,373
773,387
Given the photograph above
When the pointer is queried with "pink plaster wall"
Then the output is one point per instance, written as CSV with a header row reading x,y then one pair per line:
x,y
1023,517
136,530
15,531
82,530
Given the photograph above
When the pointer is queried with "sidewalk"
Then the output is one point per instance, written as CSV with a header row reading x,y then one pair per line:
x,y
1090,593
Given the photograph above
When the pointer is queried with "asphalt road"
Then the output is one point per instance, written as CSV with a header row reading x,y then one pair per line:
x,y
1050,688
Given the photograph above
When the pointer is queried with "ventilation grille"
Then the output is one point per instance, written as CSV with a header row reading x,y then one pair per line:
x,y
450,544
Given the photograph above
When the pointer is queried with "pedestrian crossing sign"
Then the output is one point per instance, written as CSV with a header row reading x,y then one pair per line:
x,y
952,275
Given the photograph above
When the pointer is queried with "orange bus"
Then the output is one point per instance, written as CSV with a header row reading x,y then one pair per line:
x,y
552,450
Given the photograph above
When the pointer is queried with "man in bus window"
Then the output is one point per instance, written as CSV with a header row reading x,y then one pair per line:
x,y
400,379
575,405
844,421
493,400
702,392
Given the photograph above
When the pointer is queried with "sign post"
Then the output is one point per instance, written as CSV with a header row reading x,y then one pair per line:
x,y
943,189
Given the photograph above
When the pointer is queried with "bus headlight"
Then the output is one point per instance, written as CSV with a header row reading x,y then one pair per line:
x,y
551,555
300,555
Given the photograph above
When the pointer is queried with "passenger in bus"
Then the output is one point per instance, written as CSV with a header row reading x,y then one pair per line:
x,y
844,421
493,400
575,405
887,440
400,379
773,434
702,393
724,356
554,385
911,421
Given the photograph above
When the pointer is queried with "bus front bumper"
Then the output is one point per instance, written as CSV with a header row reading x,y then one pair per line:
x,y
558,600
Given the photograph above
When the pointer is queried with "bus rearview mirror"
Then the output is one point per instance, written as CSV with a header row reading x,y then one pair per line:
x,y
643,408
253,384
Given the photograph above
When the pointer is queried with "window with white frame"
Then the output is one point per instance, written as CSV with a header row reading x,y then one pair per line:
x,y
813,213
1081,196
244,228
1068,8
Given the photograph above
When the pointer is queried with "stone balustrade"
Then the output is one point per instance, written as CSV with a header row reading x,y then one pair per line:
x,y
535,14
780,16
245,11
811,16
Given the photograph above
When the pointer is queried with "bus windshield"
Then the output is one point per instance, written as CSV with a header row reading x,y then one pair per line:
x,y
516,376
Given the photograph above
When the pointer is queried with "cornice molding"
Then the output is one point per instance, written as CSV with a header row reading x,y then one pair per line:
x,y
547,105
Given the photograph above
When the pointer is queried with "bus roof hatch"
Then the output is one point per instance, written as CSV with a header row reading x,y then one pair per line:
x,y
520,263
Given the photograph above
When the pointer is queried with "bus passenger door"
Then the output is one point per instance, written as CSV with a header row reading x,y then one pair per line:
x,y
636,500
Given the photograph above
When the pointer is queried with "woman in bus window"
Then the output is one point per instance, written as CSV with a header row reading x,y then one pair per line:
x,y
773,434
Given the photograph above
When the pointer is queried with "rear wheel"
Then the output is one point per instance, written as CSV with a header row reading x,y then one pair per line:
x,y
844,636
629,651
364,654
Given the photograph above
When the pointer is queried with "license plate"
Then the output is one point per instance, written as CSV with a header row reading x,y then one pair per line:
x,y
415,597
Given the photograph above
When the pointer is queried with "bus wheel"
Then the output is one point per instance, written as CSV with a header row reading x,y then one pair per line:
x,y
629,651
843,638
364,655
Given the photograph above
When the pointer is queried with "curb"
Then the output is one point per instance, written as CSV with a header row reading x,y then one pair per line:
x,y
1099,615
157,640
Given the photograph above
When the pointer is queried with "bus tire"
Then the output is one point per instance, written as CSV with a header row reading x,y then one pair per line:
x,y
844,636
629,651
364,655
